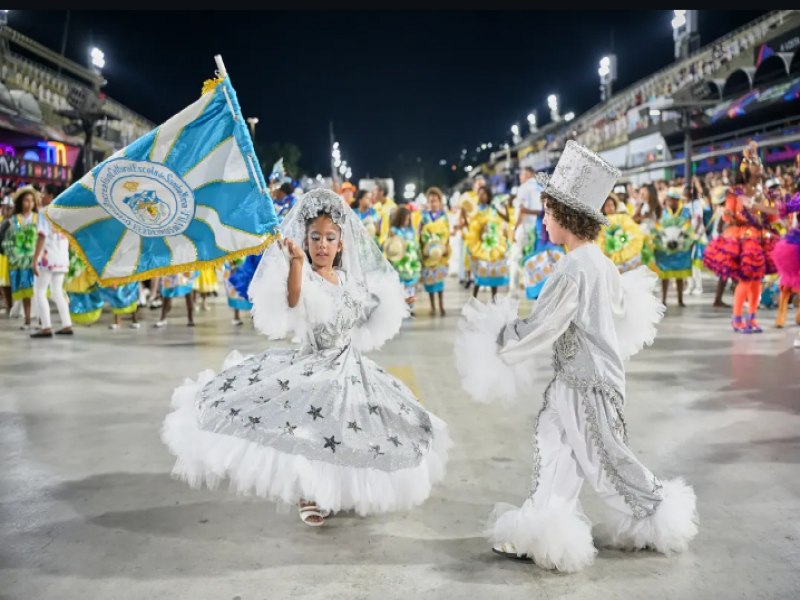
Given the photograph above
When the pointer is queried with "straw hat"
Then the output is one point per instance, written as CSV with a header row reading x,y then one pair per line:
x,y
26,189
395,248
467,203
433,250
675,192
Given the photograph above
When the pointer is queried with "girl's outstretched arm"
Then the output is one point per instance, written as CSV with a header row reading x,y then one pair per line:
x,y
295,279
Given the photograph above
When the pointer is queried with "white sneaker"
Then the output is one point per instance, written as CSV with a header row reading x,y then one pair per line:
x,y
24,327
237,322
135,326
113,326
696,292
160,323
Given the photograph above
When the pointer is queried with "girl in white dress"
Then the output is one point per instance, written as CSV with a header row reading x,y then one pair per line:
x,y
319,425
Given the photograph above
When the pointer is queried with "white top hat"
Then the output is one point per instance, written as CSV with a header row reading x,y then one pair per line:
x,y
581,180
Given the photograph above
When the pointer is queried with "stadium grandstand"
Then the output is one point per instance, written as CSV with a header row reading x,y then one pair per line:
x,y
41,95
745,85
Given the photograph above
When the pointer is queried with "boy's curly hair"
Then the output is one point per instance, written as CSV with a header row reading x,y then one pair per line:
x,y
582,225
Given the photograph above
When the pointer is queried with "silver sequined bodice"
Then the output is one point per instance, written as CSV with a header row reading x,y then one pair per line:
x,y
332,328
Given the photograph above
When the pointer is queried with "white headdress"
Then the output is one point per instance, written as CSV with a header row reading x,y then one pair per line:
x,y
362,261
278,172
581,180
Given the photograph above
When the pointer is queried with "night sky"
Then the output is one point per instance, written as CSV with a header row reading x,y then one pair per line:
x,y
394,83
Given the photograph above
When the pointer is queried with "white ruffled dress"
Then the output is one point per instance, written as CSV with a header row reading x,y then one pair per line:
x,y
320,422
591,319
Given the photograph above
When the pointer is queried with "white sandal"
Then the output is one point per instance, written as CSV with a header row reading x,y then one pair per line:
x,y
509,550
312,510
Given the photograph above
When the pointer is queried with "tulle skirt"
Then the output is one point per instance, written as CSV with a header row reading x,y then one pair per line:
x,y
739,259
433,278
484,375
21,284
206,282
768,244
786,256
488,273
330,427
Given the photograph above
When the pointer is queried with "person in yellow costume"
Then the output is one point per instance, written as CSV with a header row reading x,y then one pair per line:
x,y
384,207
435,245
469,206
487,241
6,210
622,240
205,285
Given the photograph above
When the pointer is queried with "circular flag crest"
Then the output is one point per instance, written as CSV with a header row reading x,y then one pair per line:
x,y
148,198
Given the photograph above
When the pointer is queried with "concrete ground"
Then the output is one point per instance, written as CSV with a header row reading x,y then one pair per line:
x,y
88,509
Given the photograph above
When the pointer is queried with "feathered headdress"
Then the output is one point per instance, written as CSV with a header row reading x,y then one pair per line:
x,y
750,155
278,171
789,205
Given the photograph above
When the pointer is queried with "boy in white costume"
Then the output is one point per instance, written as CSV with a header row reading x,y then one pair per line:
x,y
593,319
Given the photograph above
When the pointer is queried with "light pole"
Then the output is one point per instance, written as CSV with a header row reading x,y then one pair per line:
x,y
252,122
3,23
336,161
684,33
688,106
608,75
87,108
98,60
515,136
552,104
532,121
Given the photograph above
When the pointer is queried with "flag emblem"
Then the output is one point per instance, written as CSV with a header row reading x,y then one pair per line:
x,y
146,197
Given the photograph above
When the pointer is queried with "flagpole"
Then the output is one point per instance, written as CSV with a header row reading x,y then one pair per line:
x,y
220,66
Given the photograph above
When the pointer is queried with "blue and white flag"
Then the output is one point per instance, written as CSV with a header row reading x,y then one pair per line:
x,y
189,194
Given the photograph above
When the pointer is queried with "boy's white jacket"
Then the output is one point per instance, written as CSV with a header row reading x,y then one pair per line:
x,y
612,317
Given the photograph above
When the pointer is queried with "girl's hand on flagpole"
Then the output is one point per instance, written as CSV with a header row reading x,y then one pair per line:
x,y
294,250
294,281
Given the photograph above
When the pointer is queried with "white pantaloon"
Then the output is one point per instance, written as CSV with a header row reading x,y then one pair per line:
x,y
55,281
579,437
